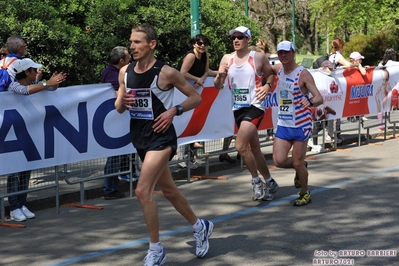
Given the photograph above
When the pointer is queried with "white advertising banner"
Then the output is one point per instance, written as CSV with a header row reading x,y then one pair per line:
x,y
79,123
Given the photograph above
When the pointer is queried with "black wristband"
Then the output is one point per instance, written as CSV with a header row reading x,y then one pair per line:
x,y
179,109
270,85
311,102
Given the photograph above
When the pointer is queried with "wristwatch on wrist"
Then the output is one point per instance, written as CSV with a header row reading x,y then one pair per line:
x,y
311,102
44,84
270,85
179,109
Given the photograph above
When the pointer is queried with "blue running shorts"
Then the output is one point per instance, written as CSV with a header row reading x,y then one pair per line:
x,y
289,133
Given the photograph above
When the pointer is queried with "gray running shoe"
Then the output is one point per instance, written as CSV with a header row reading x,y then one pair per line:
x,y
271,188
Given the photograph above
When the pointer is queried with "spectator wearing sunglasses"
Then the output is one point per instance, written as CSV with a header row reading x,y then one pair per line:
x,y
195,68
195,64
244,71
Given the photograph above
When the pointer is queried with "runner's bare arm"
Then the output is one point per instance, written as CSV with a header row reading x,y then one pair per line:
x,y
307,84
169,77
262,60
221,75
123,100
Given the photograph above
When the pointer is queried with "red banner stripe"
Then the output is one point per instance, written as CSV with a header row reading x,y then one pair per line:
x,y
201,112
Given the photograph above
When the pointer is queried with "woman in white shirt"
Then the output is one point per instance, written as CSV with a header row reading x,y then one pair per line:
x,y
336,57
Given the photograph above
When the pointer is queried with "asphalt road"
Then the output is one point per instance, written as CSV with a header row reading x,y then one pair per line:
x,y
354,214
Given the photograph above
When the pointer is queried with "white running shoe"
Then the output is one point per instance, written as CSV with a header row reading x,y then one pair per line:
x,y
154,258
124,178
258,190
28,214
17,215
193,165
202,238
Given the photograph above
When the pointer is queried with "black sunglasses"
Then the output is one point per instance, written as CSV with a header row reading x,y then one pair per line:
x,y
3,54
240,37
202,43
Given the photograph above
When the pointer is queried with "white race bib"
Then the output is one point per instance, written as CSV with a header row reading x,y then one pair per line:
x,y
242,97
142,108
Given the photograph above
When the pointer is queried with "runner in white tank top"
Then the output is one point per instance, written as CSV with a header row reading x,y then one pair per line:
x,y
243,88
244,70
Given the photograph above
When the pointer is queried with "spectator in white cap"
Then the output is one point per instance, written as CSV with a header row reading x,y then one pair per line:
x,y
356,61
26,83
356,56
294,124
244,71
25,74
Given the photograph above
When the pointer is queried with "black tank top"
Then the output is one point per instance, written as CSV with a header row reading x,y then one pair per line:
x,y
198,67
141,130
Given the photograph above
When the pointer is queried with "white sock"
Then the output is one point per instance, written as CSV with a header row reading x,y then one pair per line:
x,y
197,226
269,179
156,247
255,179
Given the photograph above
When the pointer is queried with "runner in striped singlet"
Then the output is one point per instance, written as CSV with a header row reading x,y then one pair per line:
x,y
294,125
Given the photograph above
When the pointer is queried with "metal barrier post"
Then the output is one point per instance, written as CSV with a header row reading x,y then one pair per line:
x,y
241,164
392,115
3,216
82,192
323,144
57,190
359,134
385,125
188,164
131,174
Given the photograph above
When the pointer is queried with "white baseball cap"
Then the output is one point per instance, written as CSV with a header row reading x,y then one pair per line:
x,y
241,29
356,56
285,46
24,64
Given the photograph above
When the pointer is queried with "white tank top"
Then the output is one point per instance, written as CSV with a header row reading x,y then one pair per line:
x,y
242,81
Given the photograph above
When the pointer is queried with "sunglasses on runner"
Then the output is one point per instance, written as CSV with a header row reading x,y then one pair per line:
x,y
240,37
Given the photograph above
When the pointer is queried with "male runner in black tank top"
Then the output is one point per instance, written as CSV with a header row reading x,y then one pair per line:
x,y
146,90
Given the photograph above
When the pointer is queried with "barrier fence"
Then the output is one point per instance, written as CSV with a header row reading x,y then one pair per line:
x,y
85,172
40,131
